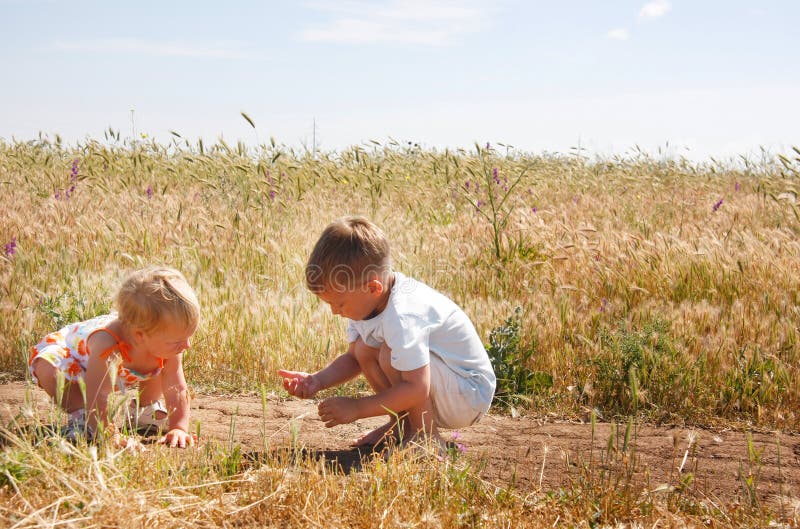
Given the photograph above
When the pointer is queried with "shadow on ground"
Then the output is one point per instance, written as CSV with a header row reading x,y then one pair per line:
x,y
338,461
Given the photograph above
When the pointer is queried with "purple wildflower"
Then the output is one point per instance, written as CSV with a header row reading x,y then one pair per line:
x,y
717,205
494,176
488,146
603,305
479,204
10,247
58,194
149,192
461,447
272,194
456,435
466,185
75,163
534,209
737,186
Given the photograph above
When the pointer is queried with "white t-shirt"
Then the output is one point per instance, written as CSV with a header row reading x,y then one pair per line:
x,y
418,321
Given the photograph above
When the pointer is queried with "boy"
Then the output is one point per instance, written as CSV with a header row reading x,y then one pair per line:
x,y
417,349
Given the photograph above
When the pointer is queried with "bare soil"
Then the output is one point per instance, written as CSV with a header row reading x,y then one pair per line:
x,y
533,454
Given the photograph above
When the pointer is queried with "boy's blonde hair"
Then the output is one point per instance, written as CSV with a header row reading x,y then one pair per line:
x,y
148,296
349,252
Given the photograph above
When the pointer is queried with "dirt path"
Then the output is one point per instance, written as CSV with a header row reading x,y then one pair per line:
x,y
529,451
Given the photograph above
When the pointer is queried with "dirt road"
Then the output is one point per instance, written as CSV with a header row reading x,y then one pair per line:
x,y
534,453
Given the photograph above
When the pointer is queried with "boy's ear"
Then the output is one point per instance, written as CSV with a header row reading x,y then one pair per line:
x,y
375,286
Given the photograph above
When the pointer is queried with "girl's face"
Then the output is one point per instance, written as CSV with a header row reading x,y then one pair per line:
x,y
168,340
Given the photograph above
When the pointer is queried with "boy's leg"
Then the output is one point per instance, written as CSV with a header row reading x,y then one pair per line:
x,y
420,419
368,359
47,376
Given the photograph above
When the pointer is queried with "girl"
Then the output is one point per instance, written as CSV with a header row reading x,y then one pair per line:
x,y
143,342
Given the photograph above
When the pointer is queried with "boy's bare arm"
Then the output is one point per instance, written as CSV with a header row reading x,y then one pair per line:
x,y
411,391
305,385
342,369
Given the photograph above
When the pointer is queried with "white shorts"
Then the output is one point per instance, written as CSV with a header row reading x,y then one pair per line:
x,y
449,395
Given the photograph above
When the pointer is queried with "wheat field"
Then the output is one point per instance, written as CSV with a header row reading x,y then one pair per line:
x,y
644,286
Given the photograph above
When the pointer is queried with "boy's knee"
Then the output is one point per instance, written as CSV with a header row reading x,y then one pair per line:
x,y
385,361
364,353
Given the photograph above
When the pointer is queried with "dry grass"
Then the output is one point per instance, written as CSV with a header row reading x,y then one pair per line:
x,y
620,264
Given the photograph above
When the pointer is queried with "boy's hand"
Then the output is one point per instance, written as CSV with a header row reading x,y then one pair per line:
x,y
299,384
338,410
177,438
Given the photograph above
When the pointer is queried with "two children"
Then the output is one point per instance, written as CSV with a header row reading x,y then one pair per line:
x,y
141,344
417,349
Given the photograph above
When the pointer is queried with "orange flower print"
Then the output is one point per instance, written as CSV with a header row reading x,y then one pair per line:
x,y
74,369
34,354
82,348
54,337
65,352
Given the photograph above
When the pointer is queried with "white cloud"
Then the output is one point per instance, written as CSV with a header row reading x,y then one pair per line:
x,y
618,34
655,9
144,47
398,21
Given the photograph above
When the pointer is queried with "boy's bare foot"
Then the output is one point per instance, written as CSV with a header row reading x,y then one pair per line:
x,y
387,432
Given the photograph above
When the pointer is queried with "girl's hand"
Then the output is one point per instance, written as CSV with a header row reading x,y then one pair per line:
x,y
177,438
300,384
122,442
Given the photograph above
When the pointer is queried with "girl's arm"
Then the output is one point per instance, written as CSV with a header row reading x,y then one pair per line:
x,y
98,384
176,395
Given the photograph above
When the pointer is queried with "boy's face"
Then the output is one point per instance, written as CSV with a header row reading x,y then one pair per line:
x,y
355,304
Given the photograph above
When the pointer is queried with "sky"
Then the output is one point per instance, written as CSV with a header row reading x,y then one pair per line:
x,y
695,78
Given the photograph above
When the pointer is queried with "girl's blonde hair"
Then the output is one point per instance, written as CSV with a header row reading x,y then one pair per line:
x,y
149,296
349,252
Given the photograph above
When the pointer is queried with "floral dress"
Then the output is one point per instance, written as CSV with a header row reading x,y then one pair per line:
x,y
66,350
